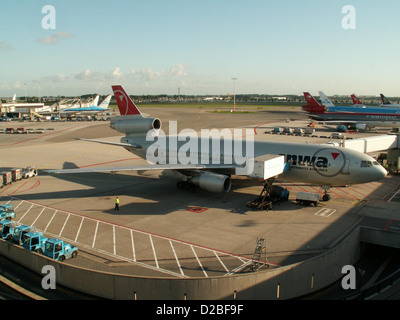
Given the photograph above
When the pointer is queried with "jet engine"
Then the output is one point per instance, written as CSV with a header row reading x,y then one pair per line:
x,y
134,124
361,126
212,182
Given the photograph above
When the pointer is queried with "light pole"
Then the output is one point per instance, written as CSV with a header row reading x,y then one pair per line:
x,y
234,94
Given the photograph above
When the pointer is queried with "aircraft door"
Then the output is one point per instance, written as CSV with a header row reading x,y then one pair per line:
x,y
346,167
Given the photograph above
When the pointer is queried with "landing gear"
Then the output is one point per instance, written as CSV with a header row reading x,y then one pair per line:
x,y
326,196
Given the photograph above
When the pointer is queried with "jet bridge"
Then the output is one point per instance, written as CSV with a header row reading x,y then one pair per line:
x,y
373,144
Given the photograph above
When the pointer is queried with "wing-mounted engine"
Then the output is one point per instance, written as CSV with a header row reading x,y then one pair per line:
x,y
212,182
134,124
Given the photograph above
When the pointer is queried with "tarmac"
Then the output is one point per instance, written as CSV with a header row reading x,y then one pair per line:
x,y
162,231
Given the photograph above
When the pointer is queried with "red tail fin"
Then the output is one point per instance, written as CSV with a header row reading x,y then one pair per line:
x,y
125,103
313,106
355,99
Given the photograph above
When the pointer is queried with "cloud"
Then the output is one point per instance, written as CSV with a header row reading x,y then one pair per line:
x,y
4,86
56,78
149,74
17,85
115,74
177,71
88,75
5,46
55,37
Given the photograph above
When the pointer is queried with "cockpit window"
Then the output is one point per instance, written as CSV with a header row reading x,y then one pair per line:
x,y
376,163
365,164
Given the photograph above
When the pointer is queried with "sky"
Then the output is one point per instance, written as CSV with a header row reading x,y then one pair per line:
x,y
158,46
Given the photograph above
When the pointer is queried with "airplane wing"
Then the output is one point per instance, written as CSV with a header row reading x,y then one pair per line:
x,y
146,168
119,144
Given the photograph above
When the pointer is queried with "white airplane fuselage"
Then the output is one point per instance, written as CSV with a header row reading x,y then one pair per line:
x,y
320,164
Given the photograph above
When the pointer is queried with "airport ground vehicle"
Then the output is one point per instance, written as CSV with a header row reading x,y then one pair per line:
x,y
34,241
7,212
19,232
29,172
7,229
16,174
7,177
268,196
307,198
59,250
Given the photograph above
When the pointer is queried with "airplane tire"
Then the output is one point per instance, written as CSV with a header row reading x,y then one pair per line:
x,y
326,197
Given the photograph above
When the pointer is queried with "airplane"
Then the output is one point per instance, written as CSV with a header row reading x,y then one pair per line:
x,y
386,103
325,100
91,109
323,165
356,101
359,118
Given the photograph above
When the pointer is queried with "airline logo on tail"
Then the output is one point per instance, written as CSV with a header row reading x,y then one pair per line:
x,y
124,102
313,105
355,99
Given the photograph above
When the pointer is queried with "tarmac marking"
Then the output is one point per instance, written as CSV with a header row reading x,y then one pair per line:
x,y
62,229
95,234
223,265
54,214
197,258
176,258
20,187
33,223
25,212
133,246
79,229
114,243
394,195
325,212
154,251
17,205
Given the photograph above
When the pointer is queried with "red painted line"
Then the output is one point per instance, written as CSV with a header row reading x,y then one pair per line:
x,y
20,187
37,184
352,196
364,195
6,188
259,125
387,225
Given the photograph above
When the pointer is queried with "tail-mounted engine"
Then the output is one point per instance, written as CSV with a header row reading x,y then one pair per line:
x,y
134,124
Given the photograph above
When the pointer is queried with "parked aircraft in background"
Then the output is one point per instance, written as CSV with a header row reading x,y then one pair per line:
x,y
356,101
356,117
386,103
91,109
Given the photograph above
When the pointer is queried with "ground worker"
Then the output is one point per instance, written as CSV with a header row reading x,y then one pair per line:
x,y
116,204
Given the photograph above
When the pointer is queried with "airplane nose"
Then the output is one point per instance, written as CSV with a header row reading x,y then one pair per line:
x,y
379,172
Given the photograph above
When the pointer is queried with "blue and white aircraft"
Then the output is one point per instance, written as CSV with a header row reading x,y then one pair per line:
x,y
91,109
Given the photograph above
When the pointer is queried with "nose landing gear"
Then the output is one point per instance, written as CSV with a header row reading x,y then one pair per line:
x,y
326,196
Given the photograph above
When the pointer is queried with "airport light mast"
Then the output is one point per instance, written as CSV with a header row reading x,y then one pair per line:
x,y
234,93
